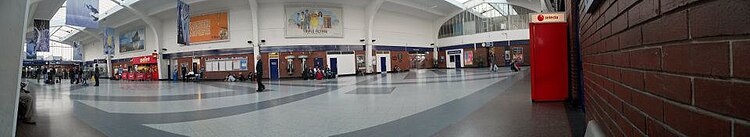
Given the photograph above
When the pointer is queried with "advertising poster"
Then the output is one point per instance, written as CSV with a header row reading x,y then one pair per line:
x,y
31,45
84,13
41,28
469,57
183,23
132,40
209,28
313,21
109,41
77,54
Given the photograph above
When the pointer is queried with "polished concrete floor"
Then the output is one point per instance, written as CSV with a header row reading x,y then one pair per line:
x,y
440,102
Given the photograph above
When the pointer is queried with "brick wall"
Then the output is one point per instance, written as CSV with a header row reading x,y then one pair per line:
x,y
667,67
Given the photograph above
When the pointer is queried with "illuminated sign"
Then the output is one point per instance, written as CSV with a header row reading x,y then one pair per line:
x,y
557,17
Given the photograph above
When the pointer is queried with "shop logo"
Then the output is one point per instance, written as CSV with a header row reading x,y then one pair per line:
x,y
540,17
145,60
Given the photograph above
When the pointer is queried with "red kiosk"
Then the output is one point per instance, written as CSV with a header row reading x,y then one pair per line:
x,y
549,57
144,68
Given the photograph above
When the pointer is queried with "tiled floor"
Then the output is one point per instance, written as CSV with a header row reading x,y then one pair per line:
x,y
465,102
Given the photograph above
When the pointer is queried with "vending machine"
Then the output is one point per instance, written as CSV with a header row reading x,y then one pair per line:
x,y
549,57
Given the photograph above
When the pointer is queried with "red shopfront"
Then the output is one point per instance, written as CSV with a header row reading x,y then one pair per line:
x,y
144,68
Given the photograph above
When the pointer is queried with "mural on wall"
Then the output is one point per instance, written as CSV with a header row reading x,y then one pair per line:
x,y
209,28
109,41
84,13
183,23
133,40
313,21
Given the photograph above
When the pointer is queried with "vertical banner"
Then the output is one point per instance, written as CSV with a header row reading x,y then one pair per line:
x,y
84,13
133,40
77,54
31,44
109,41
41,28
183,23
313,21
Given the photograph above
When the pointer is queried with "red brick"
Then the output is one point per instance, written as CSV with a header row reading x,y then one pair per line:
x,y
611,13
741,130
643,11
652,106
741,59
720,18
620,23
631,37
622,92
667,28
646,59
614,74
673,87
707,58
621,59
638,119
654,129
694,124
725,97
624,4
669,5
633,79
613,43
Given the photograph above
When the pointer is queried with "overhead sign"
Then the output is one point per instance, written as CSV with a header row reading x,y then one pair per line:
x,y
556,17
144,60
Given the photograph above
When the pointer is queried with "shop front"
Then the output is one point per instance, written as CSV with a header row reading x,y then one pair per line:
x,y
144,68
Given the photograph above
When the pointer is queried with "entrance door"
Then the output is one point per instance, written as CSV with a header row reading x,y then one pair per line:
x,y
457,59
334,64
383,68
274,69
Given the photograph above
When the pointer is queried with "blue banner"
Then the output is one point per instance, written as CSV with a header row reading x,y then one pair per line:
x,y
31,45
77,54
84,13
109,41
183,23
41,28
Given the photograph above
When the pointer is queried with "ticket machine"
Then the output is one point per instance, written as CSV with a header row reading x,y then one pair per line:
x,y
549,57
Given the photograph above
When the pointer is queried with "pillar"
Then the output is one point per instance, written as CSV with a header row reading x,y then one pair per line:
x,y
14,16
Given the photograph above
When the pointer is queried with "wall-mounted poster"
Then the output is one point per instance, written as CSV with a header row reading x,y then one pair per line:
x,y
468,57
133,40
109,41
77,54
305,21
183,23
209,28
84,13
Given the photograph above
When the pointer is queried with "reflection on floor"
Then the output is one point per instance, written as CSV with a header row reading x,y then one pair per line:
x,y
441,102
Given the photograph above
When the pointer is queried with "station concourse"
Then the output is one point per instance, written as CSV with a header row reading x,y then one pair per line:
x,y
375,68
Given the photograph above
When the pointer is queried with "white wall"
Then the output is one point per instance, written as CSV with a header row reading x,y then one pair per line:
x,y
93,49
522,34
344,62
271,25
391,28
240,31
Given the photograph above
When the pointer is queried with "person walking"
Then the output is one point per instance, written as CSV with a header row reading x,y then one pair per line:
x,y
96,75
259,74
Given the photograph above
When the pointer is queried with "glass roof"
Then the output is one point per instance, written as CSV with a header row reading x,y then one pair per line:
x,y
490,10
61,31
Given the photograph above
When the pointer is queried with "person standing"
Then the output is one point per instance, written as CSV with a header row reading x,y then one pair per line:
x,y
259,74
96,74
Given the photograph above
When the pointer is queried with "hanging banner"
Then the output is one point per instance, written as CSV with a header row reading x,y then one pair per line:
x,y
133,40
84,13
209,28
77,54
109,41
183,23
41,28
31,45
313,21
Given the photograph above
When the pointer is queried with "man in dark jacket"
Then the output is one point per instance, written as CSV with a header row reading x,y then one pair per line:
x,y
259,75
96,75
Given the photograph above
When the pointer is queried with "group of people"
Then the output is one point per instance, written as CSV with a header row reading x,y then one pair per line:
x,y
53,75
239,78
318,73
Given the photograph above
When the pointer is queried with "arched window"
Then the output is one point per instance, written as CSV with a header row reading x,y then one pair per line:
x,y
486,17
